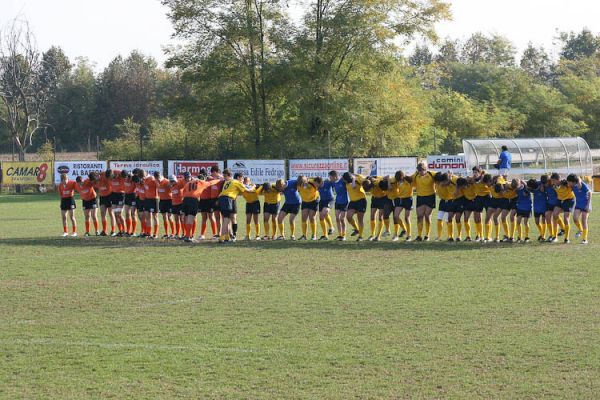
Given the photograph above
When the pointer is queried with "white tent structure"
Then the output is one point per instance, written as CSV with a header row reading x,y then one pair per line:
x,y
533,157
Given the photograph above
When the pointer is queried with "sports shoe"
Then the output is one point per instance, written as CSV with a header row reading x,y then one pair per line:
x,y
112,234
395,238
584,242
74,234
458,239
301,238
541,239
340,239
266,237
330,231
87,234
102,233
313,238
359,239
468,239
562,232
246,237
323,238
377,239
165,236
65,234
408,239
280,238
419,239
519,240
354,233
450,240
426,238
201,237
567,241
98,234
370,239
402,234
386,234
292,238
550,239
527,240
258,238
437,239
578,234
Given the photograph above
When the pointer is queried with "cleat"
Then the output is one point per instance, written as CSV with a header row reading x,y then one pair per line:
x,y
458,240
292,238
280,238
354,233
402,234
246,237
87,234
395,238
541,239
426,238
371,238
578,234
359,239
112,234
386,234
74,234
584,242
102,233
258,238
450,240
301,238
562,232
98,233
550,239
266,237
65,234
408,239
323,238
527,240
419,239
511,240
313,238
477,239
519,240
377,239
165,237
567,241
484,240
330,231
201,237
437,239
468,239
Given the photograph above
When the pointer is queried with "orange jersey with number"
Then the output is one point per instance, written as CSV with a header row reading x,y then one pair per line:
x,y
140,191
151,188
67,189
164,190
86,190
177,192
215,190
194,188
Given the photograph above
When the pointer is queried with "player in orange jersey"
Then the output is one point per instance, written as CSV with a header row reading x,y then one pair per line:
x,y
165,206
129,204
88,198
177,201
66,189
104,187
117,199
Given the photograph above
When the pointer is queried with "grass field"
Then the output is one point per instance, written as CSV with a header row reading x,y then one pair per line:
x,y
127,318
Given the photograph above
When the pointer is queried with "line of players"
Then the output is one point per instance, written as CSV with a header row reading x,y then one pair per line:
x,y
492,202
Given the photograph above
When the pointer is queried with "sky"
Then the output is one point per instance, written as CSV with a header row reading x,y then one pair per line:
x,y
103,29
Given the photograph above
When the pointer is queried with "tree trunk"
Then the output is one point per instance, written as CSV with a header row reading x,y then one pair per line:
x,y
252,73
263,94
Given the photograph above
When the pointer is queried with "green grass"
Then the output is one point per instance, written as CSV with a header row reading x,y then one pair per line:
x,y
108,318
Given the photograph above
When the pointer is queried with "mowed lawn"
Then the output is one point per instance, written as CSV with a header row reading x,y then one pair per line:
x,y
130,318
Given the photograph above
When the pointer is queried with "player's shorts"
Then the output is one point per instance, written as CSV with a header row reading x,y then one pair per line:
x,y
130,199
499,203
310,205
290,208
140,204
272,209
458,205
551,206
567,205
226,206
89,204
388,208
539,214
176,209
105,201
583,209
214,205
323,204
341,206
469,205
428,201
513,203
165,206
358,205
151,205
445,205
189,206
405,203
117,199
67,204
205,205
482,203
378,203
524,213
253,208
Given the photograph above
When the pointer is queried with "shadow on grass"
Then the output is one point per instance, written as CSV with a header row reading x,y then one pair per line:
x,y
123,243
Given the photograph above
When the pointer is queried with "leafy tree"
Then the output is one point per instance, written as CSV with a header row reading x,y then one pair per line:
x,y
495,50
536,62
581,45
421,56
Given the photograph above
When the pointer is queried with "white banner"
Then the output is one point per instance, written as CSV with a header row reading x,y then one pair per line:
x,y
319,167
73,169
259,171
149,166
384,166
456,164
178,167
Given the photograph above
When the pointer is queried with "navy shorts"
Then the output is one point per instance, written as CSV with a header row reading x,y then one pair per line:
x,y
253,208
406,203
378,203
89,204
226,206
140,204
567,205
539,215
190,206
325,204
67,204
271,208
165,206
176,209
482,203
341,206
445,205
151,205
130,199
458,205
105,201
358,205
524,213
502,203
205,205
117,199
290,208
310,205
428,201
469,205
512,203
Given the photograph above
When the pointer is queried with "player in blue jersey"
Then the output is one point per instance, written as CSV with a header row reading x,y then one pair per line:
x,y
326,200
539,207
524,206
341,204
583,206
291,205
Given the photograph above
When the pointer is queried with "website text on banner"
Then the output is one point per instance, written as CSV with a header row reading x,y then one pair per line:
x,y
456,164
319,167
384,166
27,173
149,166
259,171
73,169
178,168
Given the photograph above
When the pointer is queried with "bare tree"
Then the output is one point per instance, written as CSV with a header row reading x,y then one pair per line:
x,y
21,90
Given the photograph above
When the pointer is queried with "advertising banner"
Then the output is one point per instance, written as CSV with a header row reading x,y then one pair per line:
x,y
319,167
384,166
73,169
178,167
259,171
456,164
149,166
27,173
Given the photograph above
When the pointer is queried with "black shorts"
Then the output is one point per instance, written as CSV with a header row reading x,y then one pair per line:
x,y
428,201
388,208
105,201
481,203
524,213
189,206
176,209
445,205
406,203
253,208
226,206
458,205
140,204
151,205
290,208
310,205
323,204
89,204
206,205
378,203
272,209
214,204
341,206
502,204
567,205
539,215
117,199
130,199
165,206
358,205
67,204
512,203
469,205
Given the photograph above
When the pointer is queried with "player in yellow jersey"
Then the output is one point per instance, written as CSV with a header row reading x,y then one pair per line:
x,y
424,185
309,193
509,216
401,192
232,188
498,203
481,202
358,201
469,208
458,205
583,206
445,185
566,203
378,187
270,209
252,207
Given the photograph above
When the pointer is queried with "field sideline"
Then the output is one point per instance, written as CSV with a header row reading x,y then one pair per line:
x,y
130,318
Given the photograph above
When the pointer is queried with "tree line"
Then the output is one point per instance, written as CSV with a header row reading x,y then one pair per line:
x,y
248,81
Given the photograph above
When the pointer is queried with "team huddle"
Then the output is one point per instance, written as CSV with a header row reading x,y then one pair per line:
x,y
127,199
